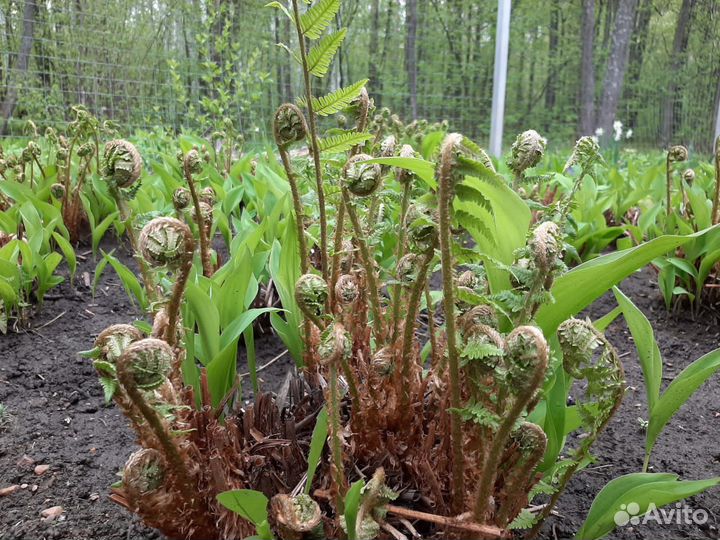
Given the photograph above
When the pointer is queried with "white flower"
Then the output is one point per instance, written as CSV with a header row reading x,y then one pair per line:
x,y
599,132
594,138
628,134
617,128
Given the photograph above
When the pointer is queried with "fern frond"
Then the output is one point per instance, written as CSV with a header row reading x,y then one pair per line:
x,y
343,142
110,386
316,19
335,101
473,224
467,193
278,5
322,54
524,520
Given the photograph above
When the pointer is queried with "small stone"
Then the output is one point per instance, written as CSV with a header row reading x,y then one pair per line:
x,y
52,513
33,488
41,469
23,486
94,496
8,490
25,462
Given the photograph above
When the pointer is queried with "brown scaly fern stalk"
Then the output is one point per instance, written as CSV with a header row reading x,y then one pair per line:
x,y
122,166
315,145
144,365
363,111
335,348
409,331
528,354
446,177
362,180
289,127
406,180
675,154
192,164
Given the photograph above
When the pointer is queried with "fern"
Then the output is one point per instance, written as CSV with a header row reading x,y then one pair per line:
x,y
278,5
335,101
467,193
343,142
477,350
109,386
473,224
316,19
322,54
524,520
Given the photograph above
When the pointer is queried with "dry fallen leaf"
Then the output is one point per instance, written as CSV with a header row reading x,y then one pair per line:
x,y
8,490
49,514
41,469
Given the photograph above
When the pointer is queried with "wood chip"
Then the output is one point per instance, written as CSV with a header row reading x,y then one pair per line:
x,y
52,513
8,490
41,469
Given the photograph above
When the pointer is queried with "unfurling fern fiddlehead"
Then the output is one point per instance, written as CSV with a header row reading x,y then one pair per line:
x,y
192,164
169,242
588,356
145,365
121,168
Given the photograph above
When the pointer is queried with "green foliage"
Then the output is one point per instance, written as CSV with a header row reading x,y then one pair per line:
x,y
251,505
662,407
643,489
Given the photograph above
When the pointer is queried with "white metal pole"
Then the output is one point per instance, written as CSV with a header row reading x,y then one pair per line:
x,y
502,40
717,123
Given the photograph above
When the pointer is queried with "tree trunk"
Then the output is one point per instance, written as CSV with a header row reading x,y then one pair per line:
x,y
587,70
632,94
411,54
373,48
682,31
617,63
551,86
29,14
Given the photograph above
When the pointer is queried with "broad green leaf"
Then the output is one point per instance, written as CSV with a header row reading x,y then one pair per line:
x,y
207,318
128,279
677,393
317,443
606,320
508,220
423,169
68,252
585,283
250,504
648,351
238,326
99,231
321,55
352,505
642,489
7,293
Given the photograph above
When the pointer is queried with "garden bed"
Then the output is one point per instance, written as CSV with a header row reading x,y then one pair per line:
x,y
59,419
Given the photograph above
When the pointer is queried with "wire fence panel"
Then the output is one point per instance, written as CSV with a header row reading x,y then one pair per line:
x,y
186,65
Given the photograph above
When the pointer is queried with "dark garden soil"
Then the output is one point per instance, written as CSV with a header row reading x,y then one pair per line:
x,y
58,419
